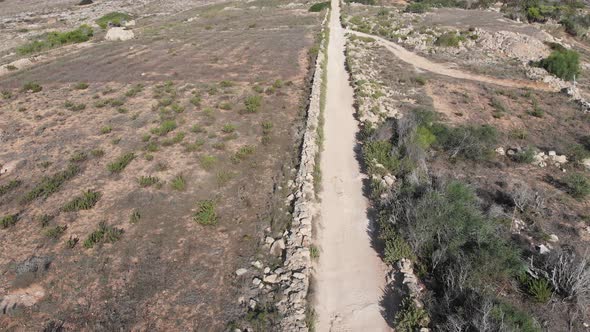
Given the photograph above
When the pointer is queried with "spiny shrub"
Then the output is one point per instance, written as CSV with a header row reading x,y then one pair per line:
x,y
115,18
50,185
104,234
86,201
564,64
448,39
253,103
121,163
8,221
10,186
206,214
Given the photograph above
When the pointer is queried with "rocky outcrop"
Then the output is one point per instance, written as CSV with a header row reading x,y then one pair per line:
x,y
295,273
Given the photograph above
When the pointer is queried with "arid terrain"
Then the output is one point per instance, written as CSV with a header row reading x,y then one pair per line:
x,y
269,165
141,178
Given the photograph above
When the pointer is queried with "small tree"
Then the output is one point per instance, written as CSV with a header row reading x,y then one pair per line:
x,y
564,64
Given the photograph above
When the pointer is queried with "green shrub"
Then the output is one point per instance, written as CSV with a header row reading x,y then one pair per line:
x,y
164,128
79,157
397,248
106,129
104,234
380,152
32,87
467,141
56,232
514,319
10,186
318,7
417,7
55,39
577,152
86,201
577,184
564,64
208,162
134,90
81,86
424,137
540,289
8,221
178,183
206,214
115,18
410,318
525,156
121,162
243,153
253,103
228,128
50,185
44,219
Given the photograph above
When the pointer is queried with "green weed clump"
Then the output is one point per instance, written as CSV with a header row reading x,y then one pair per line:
x,y
164,128
206,214
243,153
8,221
448,39
56,39
86,201
81,86
74,107
115,18
121,162
178,183
104,234
208,162
148,181
50,185
56,232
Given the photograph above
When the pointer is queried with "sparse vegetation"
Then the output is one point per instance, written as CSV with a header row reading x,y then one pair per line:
x,y
178,183
164,128
50,185
56,39
56,232
86,201
119,165
148,181
104,234
32,87
10,186
578,185
253,103
8,221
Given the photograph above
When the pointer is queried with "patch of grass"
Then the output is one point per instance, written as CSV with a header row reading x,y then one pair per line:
x,y
56,232
206,214
115,18
10,186
226,84
122,110
197,129
253,103
56,39
152,147
196,100
74,107
86,201
225,106
314,252
178,183
32,87
208,162
448,39
119,165
72,242
578,185
81,86
44,220
8,221
104,234
164,128
134,90
97,153
50,185
177,108
223,177
148,181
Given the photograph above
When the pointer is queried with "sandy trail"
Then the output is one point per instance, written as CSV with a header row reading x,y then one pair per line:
x,y
350,276
441,69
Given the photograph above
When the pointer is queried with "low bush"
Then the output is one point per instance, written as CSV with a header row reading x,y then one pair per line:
x,y
564,64
577,184
115,18
86,201
448,39
380,153
10,186
318,7
55,39
208,162
32,87
467,141
410,317
56,232
417,7
206,214
164,128
525,156
253,103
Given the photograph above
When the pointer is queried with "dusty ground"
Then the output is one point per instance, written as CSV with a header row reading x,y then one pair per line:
x,y
166,272
350,276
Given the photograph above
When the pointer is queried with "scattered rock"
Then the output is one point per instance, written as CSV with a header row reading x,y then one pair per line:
x,y
553,238
276,249
252,304
271,279
241,272
117,33
257,264
256,281
543,249
500,151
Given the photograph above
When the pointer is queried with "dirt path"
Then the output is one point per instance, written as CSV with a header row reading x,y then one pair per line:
x,y
350,276
441,69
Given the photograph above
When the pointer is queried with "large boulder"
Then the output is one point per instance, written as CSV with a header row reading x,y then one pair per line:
x,y
117,33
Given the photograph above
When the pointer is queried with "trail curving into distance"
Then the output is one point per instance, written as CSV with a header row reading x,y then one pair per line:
x,y
350,276
442,69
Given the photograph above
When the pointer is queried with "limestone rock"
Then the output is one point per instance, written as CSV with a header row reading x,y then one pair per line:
x,y
241,272
276,249
117,33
